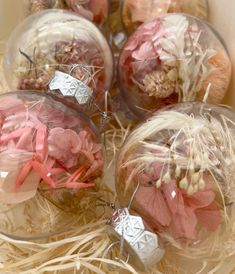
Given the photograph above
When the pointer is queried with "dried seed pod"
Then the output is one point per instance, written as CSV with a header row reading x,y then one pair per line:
x,y
184,183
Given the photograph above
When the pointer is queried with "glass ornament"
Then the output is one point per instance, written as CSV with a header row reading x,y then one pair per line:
x,y
94,10
48,153
178,168
136,12
173,58
57,40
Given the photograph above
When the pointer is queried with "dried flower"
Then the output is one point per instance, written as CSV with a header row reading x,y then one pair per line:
x,y
190,190
136,12
67,54
64,145
184,183
219,76
201,184
94,10
177,171
158,84
45,143
78,49
195,177
170,58
39,5
185,179
177,211
158,183
167,177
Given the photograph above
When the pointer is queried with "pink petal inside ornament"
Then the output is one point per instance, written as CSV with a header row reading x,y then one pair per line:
x,y
98,6
77,6
200,199
183,224
33,147
142,10
11,105
27,190
100,9
84,12
173,197
145,52
173,209
210,217
64,138
64,145
152,201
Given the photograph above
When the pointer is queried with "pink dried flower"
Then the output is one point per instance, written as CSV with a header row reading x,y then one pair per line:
x,y
171,208
64,145
166,45
145,52
11,105
77,6
58,148
94,10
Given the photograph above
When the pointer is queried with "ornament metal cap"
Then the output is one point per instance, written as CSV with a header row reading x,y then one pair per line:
x,y
141,245
70,86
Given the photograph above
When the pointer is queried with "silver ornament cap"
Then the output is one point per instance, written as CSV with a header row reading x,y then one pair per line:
x,y
140,244
70,86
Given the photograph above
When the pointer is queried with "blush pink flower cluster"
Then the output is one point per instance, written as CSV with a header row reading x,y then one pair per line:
x,y
170,208
52,144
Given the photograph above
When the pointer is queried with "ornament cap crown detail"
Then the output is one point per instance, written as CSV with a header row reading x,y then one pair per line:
x,y
70,86
141,245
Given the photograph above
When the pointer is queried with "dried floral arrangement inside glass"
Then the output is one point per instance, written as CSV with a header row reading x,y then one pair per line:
x,y
48,153
94,10
181,165
136,12
56,40
170,59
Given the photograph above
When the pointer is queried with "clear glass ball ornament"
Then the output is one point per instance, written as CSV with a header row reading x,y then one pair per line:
x,y
51,158
173,58
57,40
136,12
178,168
94,10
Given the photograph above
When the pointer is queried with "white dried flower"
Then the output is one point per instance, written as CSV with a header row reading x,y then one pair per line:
x,y
167,178
197,160
195,177
172,75
201,184
184,183
196,188
190,190
177,171
158,183
158,84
